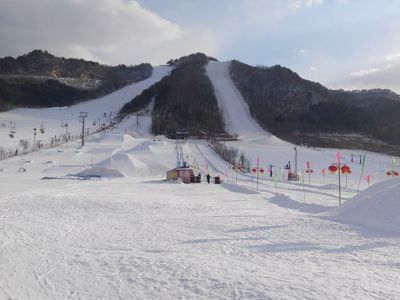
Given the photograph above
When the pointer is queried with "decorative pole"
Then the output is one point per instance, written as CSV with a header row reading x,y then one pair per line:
x,y
339,170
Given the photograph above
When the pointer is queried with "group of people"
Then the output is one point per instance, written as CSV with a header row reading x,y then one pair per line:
x,y
208,177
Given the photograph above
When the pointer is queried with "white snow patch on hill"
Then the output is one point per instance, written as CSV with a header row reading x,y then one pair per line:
x,y
377,207
237,117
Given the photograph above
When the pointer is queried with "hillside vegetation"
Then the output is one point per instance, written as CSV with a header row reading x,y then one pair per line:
x,y
183,101
306,112
39,79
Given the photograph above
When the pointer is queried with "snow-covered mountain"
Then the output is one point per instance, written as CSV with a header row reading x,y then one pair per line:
x,y
40,79
99,221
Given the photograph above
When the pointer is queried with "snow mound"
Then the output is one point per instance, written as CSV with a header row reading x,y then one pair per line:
x,y
99,172
111,138
377,207
125,163
145,147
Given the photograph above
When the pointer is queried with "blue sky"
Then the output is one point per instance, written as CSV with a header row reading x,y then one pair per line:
x,y
340,43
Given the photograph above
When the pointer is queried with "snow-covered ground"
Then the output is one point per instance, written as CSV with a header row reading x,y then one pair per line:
x,y
99,222
98,111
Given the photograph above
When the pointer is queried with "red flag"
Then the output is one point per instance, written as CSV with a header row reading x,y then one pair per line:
x,y
338,157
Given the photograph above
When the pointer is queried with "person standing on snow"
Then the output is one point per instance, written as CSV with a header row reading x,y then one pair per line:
x,y
208,178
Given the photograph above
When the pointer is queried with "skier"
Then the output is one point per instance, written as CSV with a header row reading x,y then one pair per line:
x,y
208,178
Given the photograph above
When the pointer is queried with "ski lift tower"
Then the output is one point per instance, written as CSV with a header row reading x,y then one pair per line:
x,y
82,116
65,124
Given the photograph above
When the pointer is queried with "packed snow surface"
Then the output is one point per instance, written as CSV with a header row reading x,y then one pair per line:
x,y
235,110
378,207
70,229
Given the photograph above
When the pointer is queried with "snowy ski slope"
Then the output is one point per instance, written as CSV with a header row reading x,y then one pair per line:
x,y
52,118
237,117
99,222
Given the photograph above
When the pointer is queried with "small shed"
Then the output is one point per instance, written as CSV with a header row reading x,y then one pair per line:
x,y
185,174
172,174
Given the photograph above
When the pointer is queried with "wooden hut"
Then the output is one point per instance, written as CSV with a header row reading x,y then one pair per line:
x,y
185,174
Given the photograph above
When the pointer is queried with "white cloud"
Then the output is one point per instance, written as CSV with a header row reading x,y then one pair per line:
x,y
298,4
299,51
365,72
393,57
384,76
110,31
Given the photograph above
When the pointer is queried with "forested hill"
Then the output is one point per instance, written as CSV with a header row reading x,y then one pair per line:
x,y
40,79
290,107
306,112
184,101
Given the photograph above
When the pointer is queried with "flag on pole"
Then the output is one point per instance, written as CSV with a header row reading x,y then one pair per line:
x,y
363,163
362,172
338,157
393,164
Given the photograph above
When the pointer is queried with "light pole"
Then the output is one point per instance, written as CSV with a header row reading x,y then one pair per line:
x,y
110,115
295,162
34,139
82,117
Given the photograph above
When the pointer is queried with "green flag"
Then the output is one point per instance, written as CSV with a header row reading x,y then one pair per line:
x,y
362,172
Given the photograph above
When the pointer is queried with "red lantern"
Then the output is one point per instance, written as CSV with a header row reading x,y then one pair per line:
x,y
233,168
261,170
308,171
395,173
388,173
333,168
254,170
345,169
